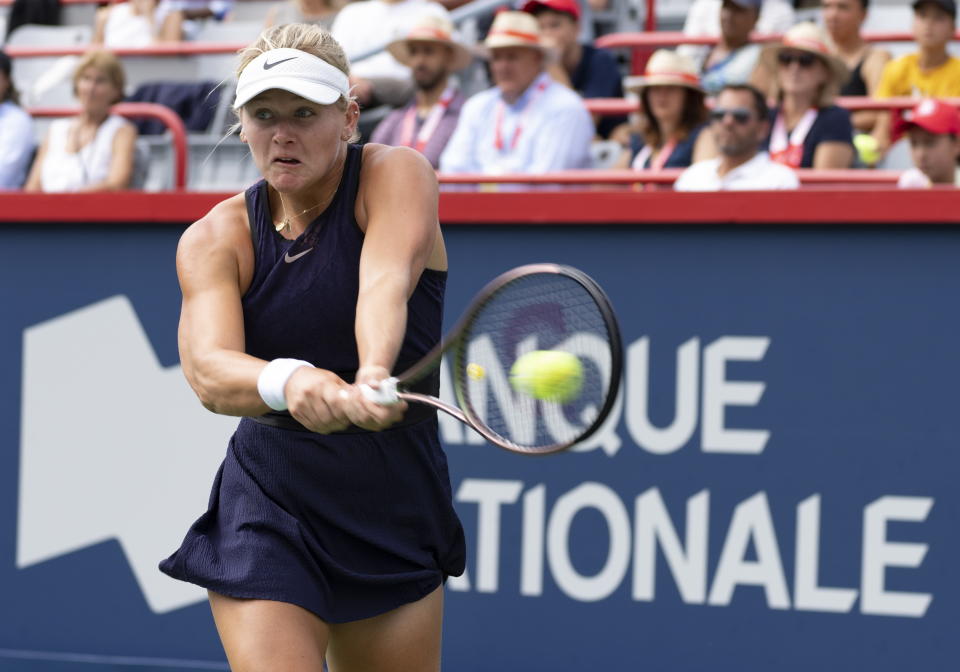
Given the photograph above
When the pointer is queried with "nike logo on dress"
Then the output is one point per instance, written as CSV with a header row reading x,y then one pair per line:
x,y
287,258
267,66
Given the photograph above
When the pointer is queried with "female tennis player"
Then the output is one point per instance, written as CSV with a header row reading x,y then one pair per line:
x,y
330,528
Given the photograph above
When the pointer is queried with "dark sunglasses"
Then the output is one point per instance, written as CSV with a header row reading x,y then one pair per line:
x,y
741,115
803,58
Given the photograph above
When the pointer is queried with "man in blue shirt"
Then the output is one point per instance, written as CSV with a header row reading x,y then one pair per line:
x,y
527,123
591,72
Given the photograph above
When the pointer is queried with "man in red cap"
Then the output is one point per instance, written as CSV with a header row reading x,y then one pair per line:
x,y
591,72
933,127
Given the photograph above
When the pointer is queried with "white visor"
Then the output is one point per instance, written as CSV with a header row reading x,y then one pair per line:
x,y
294,71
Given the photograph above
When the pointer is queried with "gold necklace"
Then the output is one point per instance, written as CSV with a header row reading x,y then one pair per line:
x,y
285,222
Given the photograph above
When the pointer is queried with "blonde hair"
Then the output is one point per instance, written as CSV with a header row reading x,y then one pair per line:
x,y
306,37
107,63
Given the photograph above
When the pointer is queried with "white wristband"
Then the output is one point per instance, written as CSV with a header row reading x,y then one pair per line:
x,y
273,379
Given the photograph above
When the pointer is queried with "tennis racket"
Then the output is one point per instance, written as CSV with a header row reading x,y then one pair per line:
x,y
529,308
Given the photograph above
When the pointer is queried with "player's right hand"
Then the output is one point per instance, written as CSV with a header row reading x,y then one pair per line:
x,y
314,400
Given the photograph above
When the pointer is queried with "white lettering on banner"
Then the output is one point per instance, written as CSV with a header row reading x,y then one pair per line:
x,y
878,554
718,392
679,432
489,496
751,525
807,594
751,520
689,568
574,584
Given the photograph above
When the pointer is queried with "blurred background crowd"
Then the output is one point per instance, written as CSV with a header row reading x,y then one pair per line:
x,y
736,94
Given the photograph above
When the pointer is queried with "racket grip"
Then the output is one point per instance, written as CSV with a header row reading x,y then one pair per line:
x,y
386,394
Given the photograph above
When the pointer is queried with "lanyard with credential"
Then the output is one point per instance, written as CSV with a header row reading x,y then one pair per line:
x,y
498,133
789,151
429,125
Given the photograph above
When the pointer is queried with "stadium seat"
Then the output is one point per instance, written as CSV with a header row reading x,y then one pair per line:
x,y
32,35
252,10
229,31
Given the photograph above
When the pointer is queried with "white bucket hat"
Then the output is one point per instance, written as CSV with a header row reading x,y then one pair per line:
x,y
808,36
434,29
295,71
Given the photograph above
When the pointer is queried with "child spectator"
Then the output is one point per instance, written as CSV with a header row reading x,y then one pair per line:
x,y
933,127
928,73
808,130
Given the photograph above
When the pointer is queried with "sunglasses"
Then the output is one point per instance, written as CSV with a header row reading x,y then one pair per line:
x,y
741,115
803,58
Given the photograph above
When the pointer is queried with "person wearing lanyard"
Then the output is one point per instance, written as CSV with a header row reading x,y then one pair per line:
x,y
672,104
527,123
808,130
427,122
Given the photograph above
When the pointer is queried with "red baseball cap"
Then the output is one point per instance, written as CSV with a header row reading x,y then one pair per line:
x,y
931,115
565,6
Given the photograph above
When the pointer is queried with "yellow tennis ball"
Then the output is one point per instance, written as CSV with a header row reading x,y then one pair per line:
x,y
549,375
475,371
867,147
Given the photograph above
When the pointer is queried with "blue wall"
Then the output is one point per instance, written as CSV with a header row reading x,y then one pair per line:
x,y
822,535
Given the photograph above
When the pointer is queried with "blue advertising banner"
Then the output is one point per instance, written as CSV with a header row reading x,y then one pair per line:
x,y
774,490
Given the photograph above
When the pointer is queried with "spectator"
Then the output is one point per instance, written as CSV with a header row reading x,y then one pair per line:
x,y
591,72
16,132
808,130
32,12
526,123
362,27
182,19
318,12
93,151
933,127
928,73
427,123
703,18
733,60
125,24
673,109
739,120
843,20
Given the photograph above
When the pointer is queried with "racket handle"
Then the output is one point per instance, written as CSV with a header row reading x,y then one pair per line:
x,y
386,394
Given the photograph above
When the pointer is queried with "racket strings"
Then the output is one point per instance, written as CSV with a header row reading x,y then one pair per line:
x,y
542,311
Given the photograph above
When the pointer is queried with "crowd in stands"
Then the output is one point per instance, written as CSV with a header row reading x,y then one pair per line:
x,y
739,114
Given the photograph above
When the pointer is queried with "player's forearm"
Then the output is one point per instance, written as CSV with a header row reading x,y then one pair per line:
x,y
381,322
226,382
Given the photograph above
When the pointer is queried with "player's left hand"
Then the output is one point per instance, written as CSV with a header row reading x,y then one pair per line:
x,y
366,413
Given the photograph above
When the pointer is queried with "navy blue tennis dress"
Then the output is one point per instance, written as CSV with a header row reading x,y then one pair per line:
x,y
347,525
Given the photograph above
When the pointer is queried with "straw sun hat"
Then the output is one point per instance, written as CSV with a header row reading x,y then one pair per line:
x,y
666,68
813,39
435,29
515,29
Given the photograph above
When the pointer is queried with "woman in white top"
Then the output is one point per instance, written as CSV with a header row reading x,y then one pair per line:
x,y
93,151
125,24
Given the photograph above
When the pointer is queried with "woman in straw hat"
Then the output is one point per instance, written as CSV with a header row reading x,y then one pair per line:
x,y
324,537
673,113
807,129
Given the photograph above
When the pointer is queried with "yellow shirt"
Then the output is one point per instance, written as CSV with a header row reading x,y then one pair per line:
x,y
903,77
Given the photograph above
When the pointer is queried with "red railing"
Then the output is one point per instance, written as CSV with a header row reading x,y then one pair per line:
x,y
662,177
161,49
161,113
653,40
623,106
